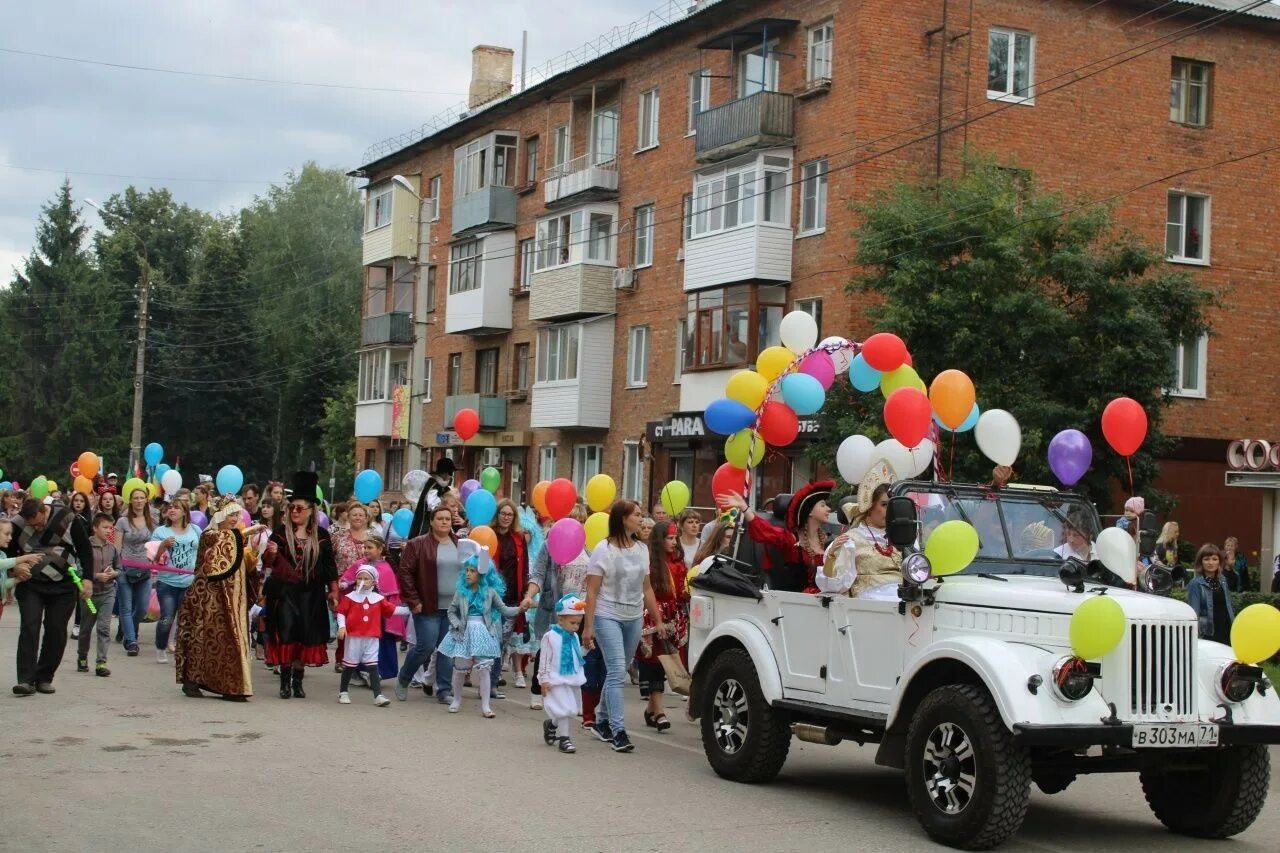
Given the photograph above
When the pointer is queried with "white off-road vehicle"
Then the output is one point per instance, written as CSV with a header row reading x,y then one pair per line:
x,y
969,683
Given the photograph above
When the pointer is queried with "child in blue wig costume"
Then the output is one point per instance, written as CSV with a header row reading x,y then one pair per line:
x,y
561,672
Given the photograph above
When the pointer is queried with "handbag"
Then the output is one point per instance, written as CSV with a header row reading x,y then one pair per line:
x,y
677,676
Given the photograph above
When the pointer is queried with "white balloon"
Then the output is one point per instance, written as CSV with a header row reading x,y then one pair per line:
x,y
1118,552
414,482
843,357
853,458
799,331
921,457
892,451
999,436
171,482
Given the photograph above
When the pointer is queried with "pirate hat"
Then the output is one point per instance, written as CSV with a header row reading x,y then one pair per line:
x,y
805,499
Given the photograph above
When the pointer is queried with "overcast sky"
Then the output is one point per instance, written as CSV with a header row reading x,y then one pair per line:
x,y
74,118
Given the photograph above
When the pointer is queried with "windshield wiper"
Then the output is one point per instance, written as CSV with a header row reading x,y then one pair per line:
x,y
990,576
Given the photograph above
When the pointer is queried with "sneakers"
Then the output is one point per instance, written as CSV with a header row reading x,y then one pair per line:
x,y
535,702
82,665
428,690
498,694
444,697
548,732
566,746
621,743
344,698
402,692
161,656
131,649
520,683
45,687
24,690
454,707
487,713
101,670
381,701
602,731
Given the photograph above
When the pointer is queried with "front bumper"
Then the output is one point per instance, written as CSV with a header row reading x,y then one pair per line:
x,y
1030,734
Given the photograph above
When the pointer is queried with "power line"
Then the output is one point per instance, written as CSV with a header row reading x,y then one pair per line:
x,y
134,177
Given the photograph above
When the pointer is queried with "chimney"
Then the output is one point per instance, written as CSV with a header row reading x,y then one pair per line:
x,y
490,74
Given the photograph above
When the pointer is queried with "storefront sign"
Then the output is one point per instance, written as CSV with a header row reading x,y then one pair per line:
x,y
683,427
448,439
1248,454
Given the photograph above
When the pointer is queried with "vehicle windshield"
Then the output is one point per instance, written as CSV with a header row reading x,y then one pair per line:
x,y
1020,531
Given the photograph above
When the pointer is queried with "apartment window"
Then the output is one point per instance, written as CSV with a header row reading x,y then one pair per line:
x,y
520,368
644,236
638,357
399,373
487,371
394,471
1011,65
739,196
632,472
584,236
377,211
532,165
686,218
604,135
758,70
1189,92
547,462
558,353
454,381
587,461
370,458
812,307
431,288
527,261
373,376
820,42
682,340
426,380
1190,364
729,326
488,161
433,193
464,266
563,150
813,196
647,133
554,237
1187,229
600,238
699,96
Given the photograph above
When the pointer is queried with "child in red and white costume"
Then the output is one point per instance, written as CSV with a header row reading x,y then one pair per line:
x,y
561,671
361,614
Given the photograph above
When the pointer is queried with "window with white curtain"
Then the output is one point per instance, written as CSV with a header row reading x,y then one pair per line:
x,y
1191,362
638,356
647,125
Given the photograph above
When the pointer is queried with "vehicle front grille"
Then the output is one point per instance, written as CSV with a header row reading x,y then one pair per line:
x,y
1160,669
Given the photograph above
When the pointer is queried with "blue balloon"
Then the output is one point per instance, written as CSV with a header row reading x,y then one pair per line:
x,y
481,507
368,485
229,480
969,422
863,376
153,453
728,416
803,393
386,517
6,486
401,521
160,471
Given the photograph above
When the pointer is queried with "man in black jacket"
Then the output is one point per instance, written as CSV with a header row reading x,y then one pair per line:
x,y
49,594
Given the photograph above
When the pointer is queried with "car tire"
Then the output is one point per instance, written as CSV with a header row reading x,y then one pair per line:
x,y
1230,791
968,782
744,738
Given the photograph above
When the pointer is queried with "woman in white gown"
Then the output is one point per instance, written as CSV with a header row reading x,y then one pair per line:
x,y
861,562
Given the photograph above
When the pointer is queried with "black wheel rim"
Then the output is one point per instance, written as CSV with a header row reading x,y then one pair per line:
x,y
950,768
730,716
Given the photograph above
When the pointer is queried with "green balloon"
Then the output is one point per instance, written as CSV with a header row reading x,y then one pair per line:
x,y
40,488
319,494
491,479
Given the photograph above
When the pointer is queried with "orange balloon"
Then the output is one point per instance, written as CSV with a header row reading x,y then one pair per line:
x,y
485,536
952,396
83,485
539,498
88,464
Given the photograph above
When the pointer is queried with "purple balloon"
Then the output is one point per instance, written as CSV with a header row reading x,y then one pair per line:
x,y
467,488
324,521
246,518
1070,454
199,519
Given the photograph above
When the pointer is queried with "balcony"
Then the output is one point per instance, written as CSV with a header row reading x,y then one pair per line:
x,y
398,238
488,207
491,408
484,308
581,180
762,120
572,291
583,402
373,420
760,252
382,329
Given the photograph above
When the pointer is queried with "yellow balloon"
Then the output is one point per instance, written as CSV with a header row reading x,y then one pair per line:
x,y
597,528
600,492
772,361
1255,635
903,377
951,547
747,387
1096,627
131,486
152,490
744,449
675,497
53,487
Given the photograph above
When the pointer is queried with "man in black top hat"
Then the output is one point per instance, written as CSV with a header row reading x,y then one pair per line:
x,y
440,482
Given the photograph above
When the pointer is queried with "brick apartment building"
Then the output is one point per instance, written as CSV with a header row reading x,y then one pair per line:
x,y
584,262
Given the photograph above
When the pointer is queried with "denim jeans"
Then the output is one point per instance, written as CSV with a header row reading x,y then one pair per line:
x,y
134,596
430,628
618,640
170,598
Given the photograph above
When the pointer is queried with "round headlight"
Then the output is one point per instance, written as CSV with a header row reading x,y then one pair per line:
x,y
1236,682
1071,678
916,568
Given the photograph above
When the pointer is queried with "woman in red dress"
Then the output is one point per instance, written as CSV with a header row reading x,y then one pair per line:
x,y
666,574
792,554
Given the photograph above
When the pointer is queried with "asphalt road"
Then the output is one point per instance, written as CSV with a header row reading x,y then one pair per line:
x,y
129,763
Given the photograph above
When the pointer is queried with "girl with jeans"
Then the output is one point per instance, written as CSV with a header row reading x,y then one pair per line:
x,y
618,593
180,539
133,588
1209,597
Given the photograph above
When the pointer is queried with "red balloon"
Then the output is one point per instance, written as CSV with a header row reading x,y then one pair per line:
x,y
728,480
467,423
779,425
560,498
884,351
907,414
909,361
1124,424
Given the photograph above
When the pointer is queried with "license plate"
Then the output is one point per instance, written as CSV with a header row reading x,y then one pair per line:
x,y
1189,735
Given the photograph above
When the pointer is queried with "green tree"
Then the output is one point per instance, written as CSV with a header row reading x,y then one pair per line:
x,y
337,437
1047,305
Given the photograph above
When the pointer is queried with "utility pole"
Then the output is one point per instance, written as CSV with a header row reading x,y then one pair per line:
x,y
140,362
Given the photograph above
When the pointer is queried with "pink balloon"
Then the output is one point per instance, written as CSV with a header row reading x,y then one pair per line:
x,y
820,366
246,518
565,540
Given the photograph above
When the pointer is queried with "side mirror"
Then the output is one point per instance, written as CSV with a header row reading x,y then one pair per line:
x,y
1073,573
900,523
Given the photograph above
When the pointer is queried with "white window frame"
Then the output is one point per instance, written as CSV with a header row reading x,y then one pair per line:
x,y
570,237
488,364
426,379
379,208
1178,256
813,197
699,98
588,460
647,120
559,354
821,41
813,307
528,257
374,386
433,190
771,68
465,267
1181,87
644,230
632,472
532,159
1180,387
1010,92
742,195
638,357
520,368
484,162
599,122
562,145
682,344
547,462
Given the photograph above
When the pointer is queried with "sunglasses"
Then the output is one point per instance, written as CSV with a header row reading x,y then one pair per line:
x,y
299,508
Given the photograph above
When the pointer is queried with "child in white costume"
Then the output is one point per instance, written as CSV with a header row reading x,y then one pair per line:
x,y
561,673
361,615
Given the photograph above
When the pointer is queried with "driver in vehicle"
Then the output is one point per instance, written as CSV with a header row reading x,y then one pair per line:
x,y
1076,541
861,562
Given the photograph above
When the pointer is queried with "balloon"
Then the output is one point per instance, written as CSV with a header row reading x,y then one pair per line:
x,y
907,415
675,497
247,520
153,491
561,496
999,436
153,453
803,393
921,457
969,422
402,520
839,357
798,331
368,486
132,485
1096,627
779,425
853,458
538,497
83,485
1255,635
1118,552
229,480
951,547
484,535
39,488
491,479
1069,456
728,480
319,493
467,488
171,482
600,492
884,351
892,451
904,377
466,423
385,518
744,449
53,486
863,376
747,387
6,486
88,463
565,540
481,507
158,474
820,366
726,416
596,529
199,519
952,396
1124,424
413,484
322,521
772,361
